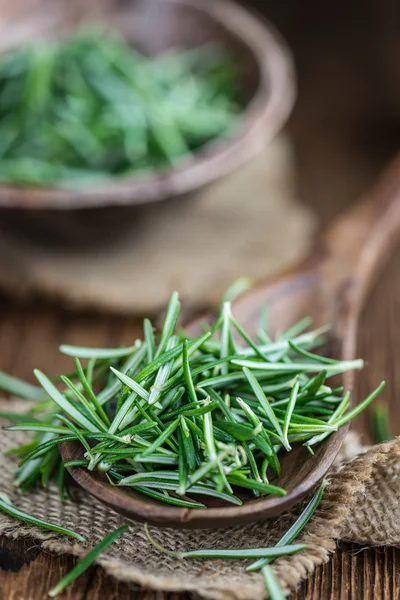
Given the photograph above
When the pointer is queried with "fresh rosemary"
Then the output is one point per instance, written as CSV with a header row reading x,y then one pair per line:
x,y
380,424
11,511
177,416
87,107
217,554
86,561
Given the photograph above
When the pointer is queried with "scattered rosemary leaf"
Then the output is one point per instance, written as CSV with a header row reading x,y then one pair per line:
x,y
21,389
297,527
271,583
380,424
84,563
215,554
6,507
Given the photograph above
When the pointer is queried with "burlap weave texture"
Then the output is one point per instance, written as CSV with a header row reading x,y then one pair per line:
x,y
361,504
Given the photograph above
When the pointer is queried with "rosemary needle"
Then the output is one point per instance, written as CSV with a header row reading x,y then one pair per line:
x,y
84,563
289,412
238,287
100,353
21,516
272,584
215,553
380,424
261,397
63,403
300,366
297,527
17,387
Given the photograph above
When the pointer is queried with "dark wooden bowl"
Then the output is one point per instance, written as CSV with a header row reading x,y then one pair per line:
x,y
265,69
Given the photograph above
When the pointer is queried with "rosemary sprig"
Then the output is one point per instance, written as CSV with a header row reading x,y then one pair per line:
x,y
297,527
272,584
21,389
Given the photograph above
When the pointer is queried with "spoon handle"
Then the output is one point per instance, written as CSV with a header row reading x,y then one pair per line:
x,y
353,249
332,282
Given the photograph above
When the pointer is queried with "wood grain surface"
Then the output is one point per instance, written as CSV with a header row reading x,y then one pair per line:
x,y
343,132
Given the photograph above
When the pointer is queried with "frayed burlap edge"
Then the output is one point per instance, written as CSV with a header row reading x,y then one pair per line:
x,y
347,488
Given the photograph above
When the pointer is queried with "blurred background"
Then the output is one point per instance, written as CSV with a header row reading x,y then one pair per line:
x,y
345,122
87,200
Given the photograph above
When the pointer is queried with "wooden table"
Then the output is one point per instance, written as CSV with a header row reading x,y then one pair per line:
x,y
29,336
339,152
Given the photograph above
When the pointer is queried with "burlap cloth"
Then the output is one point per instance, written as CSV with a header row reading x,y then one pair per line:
x,y
248,224
361,504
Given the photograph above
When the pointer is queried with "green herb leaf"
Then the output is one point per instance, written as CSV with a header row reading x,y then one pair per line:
x,y
7,508
84,563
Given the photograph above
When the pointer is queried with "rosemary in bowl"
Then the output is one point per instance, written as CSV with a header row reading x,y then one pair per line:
x,y
181,418
88,107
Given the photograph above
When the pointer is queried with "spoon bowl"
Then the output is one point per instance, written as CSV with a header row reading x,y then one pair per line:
x,y
330,286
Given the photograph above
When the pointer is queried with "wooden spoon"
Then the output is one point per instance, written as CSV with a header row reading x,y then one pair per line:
x,y
330,286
